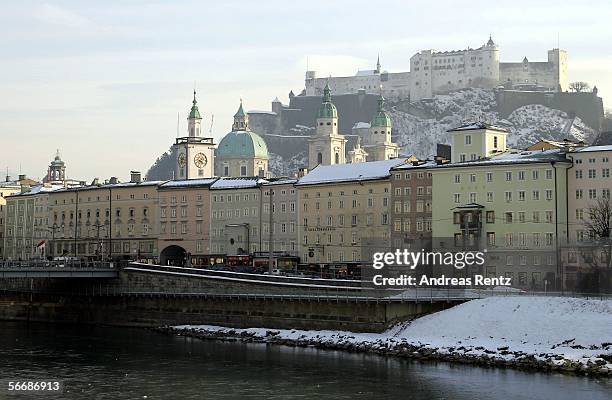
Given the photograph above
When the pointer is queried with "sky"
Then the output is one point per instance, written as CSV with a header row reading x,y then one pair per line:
x,y
105,82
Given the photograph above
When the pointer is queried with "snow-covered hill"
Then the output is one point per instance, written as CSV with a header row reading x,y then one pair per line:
x,y
420,126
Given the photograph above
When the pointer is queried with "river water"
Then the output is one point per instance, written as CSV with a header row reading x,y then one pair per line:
x,y
125,363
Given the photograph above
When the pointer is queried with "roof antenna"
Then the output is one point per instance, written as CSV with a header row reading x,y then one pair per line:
x,y
177,124
212,120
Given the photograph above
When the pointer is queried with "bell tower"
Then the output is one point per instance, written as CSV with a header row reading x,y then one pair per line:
x,y
327,146
194,153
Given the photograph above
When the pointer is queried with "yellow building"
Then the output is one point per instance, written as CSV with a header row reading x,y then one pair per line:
x,y
344,211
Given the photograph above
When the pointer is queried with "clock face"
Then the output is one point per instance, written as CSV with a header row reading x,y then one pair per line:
x,y
200,160
181,160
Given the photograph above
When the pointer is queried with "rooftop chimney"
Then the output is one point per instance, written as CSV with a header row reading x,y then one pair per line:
x,y
302,172
135,177
113,180
22,177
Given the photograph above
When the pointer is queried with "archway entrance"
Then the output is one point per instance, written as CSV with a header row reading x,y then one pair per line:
x,y
173,255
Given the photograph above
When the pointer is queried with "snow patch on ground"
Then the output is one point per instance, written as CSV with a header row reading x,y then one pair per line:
x,y
553,329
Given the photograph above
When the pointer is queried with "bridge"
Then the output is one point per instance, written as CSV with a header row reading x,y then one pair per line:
x,y
58,269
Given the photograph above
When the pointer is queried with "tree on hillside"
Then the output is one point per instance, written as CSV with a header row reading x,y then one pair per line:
x,y
579,87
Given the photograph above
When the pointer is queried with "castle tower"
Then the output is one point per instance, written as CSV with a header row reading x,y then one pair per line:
x,y
194,153
380,145
242,152
327,146
56,173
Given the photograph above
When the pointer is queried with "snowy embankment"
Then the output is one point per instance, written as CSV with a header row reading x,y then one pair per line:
x,y
546,333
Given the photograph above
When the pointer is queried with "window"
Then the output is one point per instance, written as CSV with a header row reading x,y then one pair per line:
x,y
521,175
468,139
489,176
605,173
508,197
472,178
549,194
457,178
490,217
548,174
521,216
592,174
578,174
521,196
508,176
490,238
536,216
509,217
457,197
489,196
535,195
535,175
579,194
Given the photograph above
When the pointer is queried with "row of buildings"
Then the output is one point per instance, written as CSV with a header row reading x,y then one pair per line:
x,y
522,205
433,72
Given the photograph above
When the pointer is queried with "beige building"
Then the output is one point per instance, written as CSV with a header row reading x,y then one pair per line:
x,y
344,212
109,221
6,189
184,221
284,216
236,223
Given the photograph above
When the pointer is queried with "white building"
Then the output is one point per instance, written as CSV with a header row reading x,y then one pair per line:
x,y
433,72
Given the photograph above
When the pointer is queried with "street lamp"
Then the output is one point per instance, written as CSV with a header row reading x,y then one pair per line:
x,y
53,228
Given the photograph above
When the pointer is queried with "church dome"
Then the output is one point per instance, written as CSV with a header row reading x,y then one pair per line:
x,y
381,118
242,144
327,109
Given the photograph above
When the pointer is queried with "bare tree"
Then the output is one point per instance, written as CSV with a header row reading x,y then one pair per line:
x,y
598,224
579,87
598,253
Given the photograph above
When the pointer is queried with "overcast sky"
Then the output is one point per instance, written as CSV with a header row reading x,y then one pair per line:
x,y
103,81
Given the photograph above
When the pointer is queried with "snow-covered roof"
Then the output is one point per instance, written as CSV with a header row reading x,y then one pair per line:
x,y
594,148
409,165
366,72
111,186
281,181
477,125
188,183
350,172
236,183
514,157
361,125
39,189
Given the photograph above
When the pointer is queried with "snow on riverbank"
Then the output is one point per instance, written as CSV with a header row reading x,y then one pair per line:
x,y
569,334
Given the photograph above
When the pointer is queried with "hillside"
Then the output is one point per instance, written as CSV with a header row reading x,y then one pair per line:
x,y
419,126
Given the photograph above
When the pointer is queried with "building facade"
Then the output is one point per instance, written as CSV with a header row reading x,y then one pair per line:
x,y
344,212
111,221
184,221
411,202
513,204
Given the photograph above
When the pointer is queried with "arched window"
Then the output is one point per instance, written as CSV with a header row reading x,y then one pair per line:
x,y
337,158
319,158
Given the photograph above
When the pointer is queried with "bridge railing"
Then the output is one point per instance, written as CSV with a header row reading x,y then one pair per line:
x,y
67,264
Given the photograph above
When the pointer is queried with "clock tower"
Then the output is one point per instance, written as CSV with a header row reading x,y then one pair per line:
x,y
194,153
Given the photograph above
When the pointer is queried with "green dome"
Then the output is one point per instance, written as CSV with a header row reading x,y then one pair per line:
x,y
327,109
242,144
194,113
381,118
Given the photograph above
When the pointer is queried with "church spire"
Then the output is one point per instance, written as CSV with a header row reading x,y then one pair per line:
x,y
378,64
241,119
327,109
194,113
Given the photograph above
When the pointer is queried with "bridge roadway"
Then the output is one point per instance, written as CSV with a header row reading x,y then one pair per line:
x,y
58,269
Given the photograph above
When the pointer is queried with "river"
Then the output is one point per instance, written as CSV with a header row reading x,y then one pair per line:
x,y
125,363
